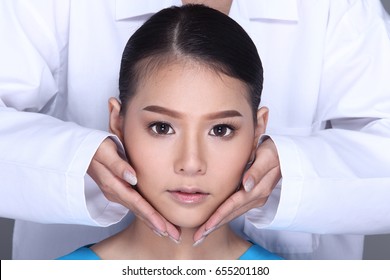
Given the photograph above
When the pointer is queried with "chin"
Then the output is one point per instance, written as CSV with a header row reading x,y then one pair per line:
x,y
187,222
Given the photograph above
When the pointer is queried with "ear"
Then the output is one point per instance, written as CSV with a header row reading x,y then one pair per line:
x,y
262,119
116,120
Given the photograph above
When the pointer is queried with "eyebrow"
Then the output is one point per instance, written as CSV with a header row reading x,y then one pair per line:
x,y
177,115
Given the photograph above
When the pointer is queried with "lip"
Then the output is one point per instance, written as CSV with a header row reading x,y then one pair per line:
x,y
188,195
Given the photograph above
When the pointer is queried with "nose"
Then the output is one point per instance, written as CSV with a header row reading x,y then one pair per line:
x,y
190,156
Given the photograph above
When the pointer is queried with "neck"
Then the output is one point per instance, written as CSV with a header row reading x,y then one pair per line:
x,y
139,242
220,5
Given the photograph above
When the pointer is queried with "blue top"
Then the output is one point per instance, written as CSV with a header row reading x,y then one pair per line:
x,y
254,252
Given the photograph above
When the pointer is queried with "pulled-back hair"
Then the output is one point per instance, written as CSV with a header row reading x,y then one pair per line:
x,y
196,33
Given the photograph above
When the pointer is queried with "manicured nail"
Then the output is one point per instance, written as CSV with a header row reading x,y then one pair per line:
x,y
129,178
174,240
249,184
199,241
159,233
207,232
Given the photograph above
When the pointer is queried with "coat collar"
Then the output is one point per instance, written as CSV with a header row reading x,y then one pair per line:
x,y
145,7
272,9
254,9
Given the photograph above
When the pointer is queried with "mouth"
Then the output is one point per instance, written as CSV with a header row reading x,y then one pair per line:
x,y
188,196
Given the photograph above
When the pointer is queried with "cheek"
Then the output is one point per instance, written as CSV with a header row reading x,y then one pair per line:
x,y
135,144
230,163
146,159
149,160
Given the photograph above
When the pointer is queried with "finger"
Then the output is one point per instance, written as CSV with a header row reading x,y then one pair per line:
x,y
117,190
254,174
107,182
116,172
153,218
258,181
131,199
215,219
234,206
107,155
142,209
266,161
173,232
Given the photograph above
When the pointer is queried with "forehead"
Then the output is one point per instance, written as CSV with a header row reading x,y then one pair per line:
x,y
191,86
189,81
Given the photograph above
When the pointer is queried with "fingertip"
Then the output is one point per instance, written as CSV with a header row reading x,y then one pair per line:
x,y
199,234
199,241
129,178
249,183
174,233
177,241
207,232
159,233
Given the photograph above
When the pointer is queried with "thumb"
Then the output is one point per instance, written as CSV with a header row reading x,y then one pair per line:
x,y
129,176
254,174
108,156
266,161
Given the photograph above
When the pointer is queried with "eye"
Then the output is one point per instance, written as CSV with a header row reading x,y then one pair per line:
x,y
222,130
161,128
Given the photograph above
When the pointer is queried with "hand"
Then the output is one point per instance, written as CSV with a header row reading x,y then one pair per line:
x,y
113,175
258,183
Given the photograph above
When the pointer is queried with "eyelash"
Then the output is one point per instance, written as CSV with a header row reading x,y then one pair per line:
x,y
230,127
152,128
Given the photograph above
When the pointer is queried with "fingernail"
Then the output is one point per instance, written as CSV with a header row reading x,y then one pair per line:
x,y
199,241
129,178
249,184
207,232
174,240
159,233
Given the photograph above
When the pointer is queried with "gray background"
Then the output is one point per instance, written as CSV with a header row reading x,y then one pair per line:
x,y
376,246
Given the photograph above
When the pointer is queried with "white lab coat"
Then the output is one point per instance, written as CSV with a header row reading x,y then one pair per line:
x,y
326,65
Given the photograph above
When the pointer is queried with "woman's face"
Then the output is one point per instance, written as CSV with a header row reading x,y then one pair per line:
x,y
189,134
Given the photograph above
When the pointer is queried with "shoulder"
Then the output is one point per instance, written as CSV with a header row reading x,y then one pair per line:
x,y
83,253
256,252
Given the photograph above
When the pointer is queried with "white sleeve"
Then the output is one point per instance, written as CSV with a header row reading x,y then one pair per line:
x,y
43,160
337,180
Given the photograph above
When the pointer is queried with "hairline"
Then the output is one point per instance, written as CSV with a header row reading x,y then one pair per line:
x,y
151,64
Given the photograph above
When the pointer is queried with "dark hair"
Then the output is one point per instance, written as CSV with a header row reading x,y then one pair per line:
x,y
193,32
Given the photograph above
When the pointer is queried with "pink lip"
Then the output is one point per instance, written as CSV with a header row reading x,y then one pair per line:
x,y
188,196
